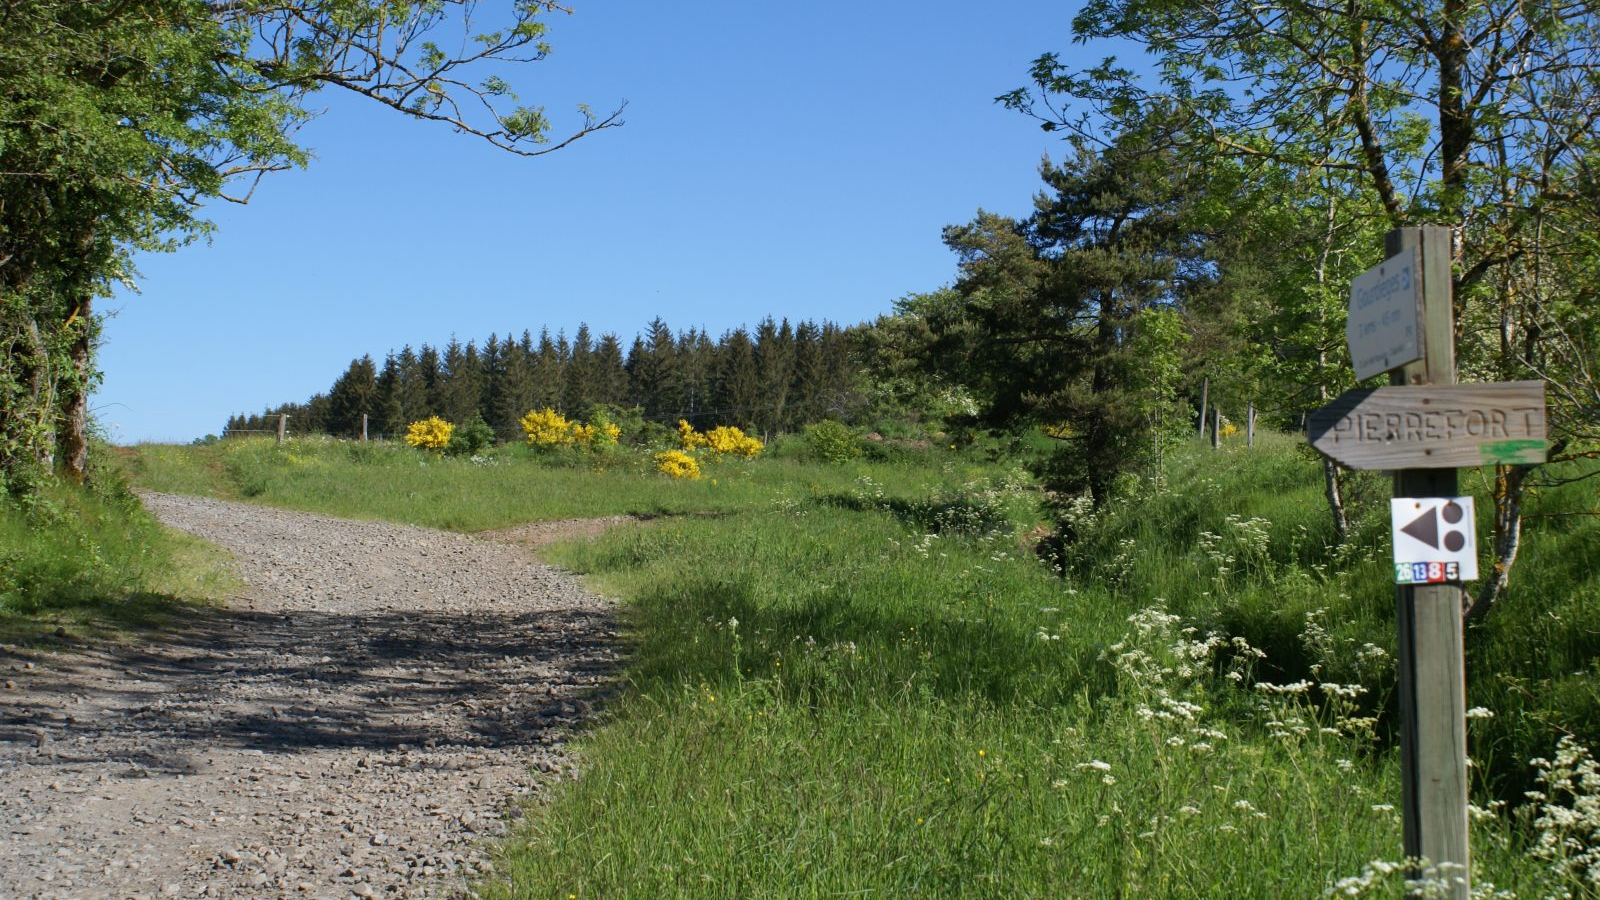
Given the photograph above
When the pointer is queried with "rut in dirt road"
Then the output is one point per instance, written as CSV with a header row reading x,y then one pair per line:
x,y
355,725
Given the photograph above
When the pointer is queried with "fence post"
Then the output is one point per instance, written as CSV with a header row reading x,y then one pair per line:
x,y
283,427
1216,427
363,428
1205,405
1250,426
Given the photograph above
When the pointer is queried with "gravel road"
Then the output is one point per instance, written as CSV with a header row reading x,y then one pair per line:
x,y
356,725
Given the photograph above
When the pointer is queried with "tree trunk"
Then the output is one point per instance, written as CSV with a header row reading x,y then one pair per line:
x,y
1510,486
72,417
27,401
1333,489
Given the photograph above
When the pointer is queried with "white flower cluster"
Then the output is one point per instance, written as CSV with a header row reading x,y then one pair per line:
x,y
1568,822
1432,881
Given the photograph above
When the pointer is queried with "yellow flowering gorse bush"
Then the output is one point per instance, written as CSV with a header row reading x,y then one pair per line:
x,y
432,433
688,437
596,434
677,464
724,440
547,428
730,441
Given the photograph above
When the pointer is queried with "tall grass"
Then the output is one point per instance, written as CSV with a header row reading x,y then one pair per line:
x,y
859,680
509,485
91,563
851,695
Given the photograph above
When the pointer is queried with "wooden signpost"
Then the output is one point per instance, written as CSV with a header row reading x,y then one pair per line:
x,y
1422,427
1433,426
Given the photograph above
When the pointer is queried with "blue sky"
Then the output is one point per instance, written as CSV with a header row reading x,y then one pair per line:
x,y
778,159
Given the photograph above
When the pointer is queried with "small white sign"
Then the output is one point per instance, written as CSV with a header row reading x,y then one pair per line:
x,y
1384,329
1435,539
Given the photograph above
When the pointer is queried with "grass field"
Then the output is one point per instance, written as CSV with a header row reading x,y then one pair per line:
x,y
857,680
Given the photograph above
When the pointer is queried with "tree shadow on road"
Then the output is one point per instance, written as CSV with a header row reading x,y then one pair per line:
x,y
278,683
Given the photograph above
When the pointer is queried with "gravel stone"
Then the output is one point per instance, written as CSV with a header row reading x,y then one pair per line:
x,y
372,707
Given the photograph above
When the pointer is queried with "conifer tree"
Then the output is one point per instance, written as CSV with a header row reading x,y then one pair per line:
x,y
610,375
774,366
516,394
405,391
354,394
839,396
738,380
696,365
578,387
461,382
652,371
549,370
807,378
432,371
492,363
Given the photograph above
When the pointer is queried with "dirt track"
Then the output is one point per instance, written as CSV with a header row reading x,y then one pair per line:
x,y
355,725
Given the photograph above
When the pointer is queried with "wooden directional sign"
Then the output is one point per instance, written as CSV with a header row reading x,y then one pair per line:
x,y
1384,331
1433,426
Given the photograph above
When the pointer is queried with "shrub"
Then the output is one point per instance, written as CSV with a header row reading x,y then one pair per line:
x,y
832,441
600,434
471,438
688,437
677,464
547,428
725,440
653,435
432,433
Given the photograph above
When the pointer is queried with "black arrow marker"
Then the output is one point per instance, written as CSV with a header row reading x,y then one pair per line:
x,y
1426,528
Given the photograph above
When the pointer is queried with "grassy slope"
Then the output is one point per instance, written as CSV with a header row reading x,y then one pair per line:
x,y
93,565
855,681
396,483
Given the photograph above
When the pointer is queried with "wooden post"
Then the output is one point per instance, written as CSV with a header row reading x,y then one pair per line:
x,y
363,428
1250,426
1432,679
1205,406
1216,427
283,426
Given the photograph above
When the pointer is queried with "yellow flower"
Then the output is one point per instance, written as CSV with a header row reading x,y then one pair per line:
x,y
432,433
688,437
546,428
677,464
728,440
599,433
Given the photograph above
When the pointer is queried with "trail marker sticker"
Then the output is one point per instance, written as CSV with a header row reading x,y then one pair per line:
x,y
1383,330
1435,539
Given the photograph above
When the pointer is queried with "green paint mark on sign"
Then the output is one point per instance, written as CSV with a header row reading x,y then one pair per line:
x,y
1510,453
